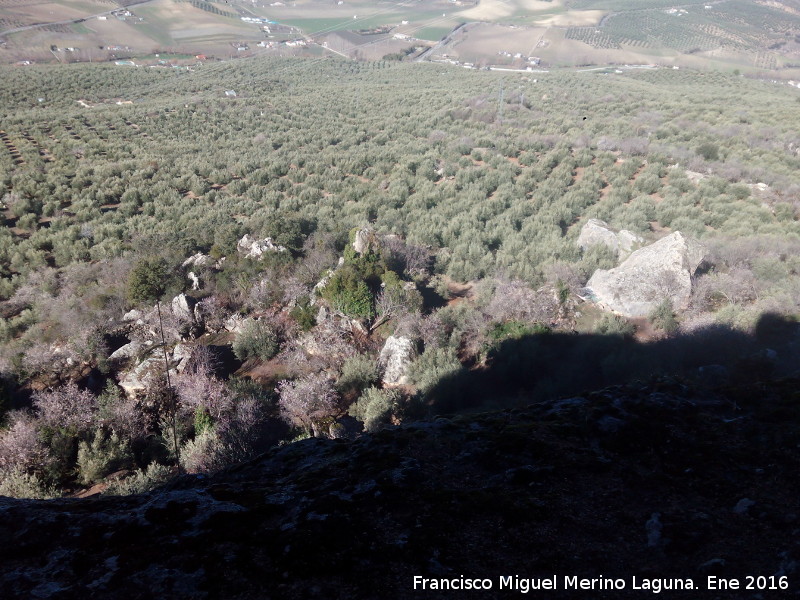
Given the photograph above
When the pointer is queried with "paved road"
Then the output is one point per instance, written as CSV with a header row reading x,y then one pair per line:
x,y
424,56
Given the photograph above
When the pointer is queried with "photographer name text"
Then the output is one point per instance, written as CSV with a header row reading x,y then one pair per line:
x,y
525,585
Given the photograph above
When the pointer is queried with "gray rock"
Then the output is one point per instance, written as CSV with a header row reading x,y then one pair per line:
x,y
713,565
653,527
180,356
250,247
197,260
319,286
127,351
743,505
194,279
132,315
363,239
234,323
596,232
395,359
200,313
661,271
609,424
137,379
183,307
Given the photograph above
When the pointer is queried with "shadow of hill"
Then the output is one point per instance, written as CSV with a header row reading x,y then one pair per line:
x,y
539,367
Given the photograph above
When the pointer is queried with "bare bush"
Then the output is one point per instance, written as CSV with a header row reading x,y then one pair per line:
x,y
20,446
307,401
515,300
67,407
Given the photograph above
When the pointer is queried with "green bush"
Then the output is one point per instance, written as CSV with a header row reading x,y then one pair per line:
x,y
257,339
375,408
104,455
663,317
19,484
358,372
304,314
348,293
614,325
140,482
432,366
708,150
516,330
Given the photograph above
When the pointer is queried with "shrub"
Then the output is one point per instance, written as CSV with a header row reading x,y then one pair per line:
x,y
615,325
66,408
19,484
432,366
663,317
358,372
201,454
307,401
304,314
258,339
708,151
103,455
349,294
140,482
146,282
375,407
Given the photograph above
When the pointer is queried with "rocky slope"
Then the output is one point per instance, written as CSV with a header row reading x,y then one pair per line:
x,y
646,480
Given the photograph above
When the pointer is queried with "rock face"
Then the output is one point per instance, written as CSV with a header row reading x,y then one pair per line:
x,y
395,358
137,379
340,519
363,240
128,351
650,275
596,232
250,247
197,260
183,308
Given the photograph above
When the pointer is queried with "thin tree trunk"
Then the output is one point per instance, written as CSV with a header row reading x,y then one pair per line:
x,y
173,409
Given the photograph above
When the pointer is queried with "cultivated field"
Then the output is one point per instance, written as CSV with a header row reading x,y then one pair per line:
x,y
749,35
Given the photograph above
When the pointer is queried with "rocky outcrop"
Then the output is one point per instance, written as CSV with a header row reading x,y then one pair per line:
x,y
661,271
197,260
646,480
128,351
365,240
395,359
133,316
137,379
596,232
250,247
183,308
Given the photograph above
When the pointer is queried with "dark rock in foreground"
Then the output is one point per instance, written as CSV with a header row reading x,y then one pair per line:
x,y
655,481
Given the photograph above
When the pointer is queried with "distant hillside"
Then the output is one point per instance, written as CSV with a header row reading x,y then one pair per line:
x,y
752,36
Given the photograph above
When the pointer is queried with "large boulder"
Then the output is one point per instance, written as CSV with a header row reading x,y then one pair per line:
x,y
197,260
596,232
365,240
395,358
137,379
128,351
250,247
183,308
661,271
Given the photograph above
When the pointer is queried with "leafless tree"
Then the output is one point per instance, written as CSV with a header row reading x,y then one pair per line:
x,y
20,446
307,401
67,407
